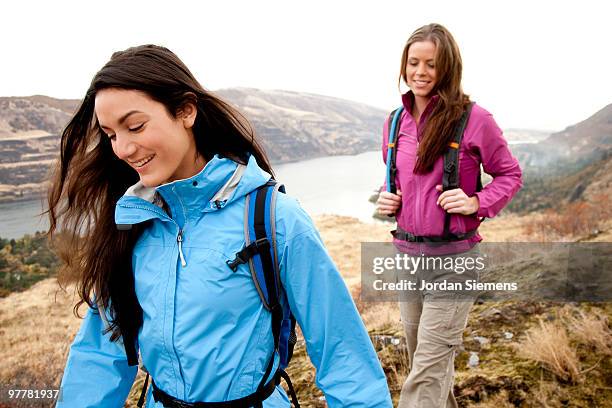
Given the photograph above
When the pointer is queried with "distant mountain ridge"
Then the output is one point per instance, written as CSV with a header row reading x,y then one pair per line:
x,y
580,144
20,115
291,125
568,166
297,126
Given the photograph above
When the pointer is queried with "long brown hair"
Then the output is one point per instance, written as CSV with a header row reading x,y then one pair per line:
x,y
89,179
438,129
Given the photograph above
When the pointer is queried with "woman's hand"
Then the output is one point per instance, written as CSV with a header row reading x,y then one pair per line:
x,y
457,202
389,203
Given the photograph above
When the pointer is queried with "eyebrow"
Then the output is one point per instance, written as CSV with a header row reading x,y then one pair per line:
x,y
415,58
122,119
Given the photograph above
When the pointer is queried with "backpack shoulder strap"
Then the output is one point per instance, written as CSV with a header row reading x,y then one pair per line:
x,y
450,177
260,227
394,120
261,253
260,243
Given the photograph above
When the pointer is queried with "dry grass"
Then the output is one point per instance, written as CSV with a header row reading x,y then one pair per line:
x,y
500,400
554,344
343,237
549,345
578,221
505,228
571,221
37,327
592,329
548,395
382,316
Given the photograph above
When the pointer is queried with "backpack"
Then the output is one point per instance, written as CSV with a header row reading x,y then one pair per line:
x,y
260,252
450,177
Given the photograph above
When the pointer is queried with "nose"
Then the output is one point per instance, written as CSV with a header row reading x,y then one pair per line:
x,y
123,147
421,70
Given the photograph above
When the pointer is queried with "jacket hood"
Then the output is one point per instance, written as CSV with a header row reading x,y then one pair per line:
x,y
221,182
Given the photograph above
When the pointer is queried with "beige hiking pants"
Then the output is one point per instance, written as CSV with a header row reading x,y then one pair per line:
x,y
434,324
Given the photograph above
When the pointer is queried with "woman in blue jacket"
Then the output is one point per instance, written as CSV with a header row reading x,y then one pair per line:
x,y
148,200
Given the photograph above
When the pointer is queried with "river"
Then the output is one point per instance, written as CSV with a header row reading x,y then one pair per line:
x,y
328,185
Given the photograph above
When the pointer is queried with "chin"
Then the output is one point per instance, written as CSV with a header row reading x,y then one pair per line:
x,y
422,92
149,181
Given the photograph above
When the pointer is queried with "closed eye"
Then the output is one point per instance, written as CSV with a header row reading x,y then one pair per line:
x,y
112,137
415,63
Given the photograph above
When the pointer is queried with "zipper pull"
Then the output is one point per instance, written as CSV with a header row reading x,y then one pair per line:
x,y
179,239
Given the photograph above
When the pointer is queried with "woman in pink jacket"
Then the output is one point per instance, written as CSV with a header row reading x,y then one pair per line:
x,y
431,67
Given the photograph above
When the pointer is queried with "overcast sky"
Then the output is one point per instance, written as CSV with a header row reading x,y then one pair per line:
x,y
533,64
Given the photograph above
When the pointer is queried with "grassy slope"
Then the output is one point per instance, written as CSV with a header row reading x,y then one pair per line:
x,y
37,327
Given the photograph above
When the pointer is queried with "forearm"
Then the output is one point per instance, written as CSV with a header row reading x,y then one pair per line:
x,y
96,373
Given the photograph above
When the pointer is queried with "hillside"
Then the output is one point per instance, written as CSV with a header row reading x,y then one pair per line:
x,y
297,126
577,145
292,126
509,339
21,116
567,167
591,183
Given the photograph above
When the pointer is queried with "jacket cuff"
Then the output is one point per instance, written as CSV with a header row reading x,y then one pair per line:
x,y
483,208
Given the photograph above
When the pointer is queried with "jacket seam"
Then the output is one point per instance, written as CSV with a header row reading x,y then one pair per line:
x,y
309,230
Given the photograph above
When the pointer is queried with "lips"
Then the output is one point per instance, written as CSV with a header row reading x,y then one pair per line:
x,y
421,83
142,161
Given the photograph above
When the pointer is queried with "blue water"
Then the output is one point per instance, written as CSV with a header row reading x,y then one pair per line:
x,y
329,185
20,218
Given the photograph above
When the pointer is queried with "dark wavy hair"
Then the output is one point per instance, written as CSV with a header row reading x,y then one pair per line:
x,y
89,179
438,130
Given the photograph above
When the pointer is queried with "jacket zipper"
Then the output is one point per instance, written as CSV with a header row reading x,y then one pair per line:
x,y
179,239
417,209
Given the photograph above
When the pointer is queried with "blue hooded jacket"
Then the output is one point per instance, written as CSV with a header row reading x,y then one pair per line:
x,y
206,335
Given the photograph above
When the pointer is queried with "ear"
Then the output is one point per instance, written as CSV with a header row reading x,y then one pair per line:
x,y
188,113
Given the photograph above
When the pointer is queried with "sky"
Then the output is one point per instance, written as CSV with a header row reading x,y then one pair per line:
x,y
535,64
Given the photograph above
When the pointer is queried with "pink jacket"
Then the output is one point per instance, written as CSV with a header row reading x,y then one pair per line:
x,y
483,142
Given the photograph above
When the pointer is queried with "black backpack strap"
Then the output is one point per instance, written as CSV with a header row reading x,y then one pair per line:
x,y
143,392
292,393
252,400
260,252
264,225
258,215
402,235
450,177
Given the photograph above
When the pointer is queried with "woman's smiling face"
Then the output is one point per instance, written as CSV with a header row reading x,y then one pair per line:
x,y
144,135
421,69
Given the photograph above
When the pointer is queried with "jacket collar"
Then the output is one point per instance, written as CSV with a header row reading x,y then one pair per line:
x,y
408,102
219,183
